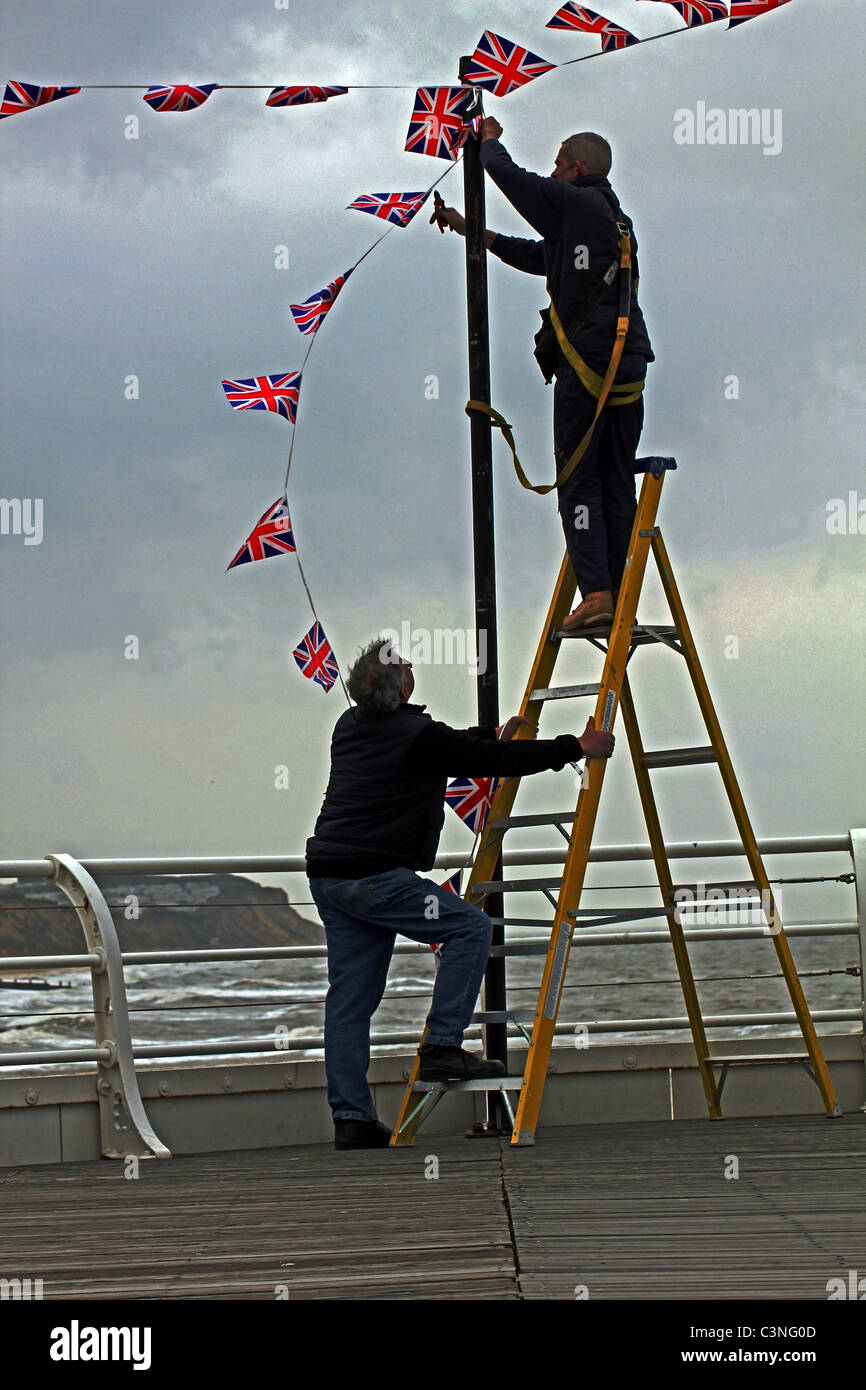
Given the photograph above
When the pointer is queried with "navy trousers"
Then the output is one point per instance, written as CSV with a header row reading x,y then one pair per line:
x,y
597,504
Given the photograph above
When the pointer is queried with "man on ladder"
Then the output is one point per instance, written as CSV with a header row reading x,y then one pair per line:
x,y
579,216
380,821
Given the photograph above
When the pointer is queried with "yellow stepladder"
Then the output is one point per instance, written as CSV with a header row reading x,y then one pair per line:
x,y
621,636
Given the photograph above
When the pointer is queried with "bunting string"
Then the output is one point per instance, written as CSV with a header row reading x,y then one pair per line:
x,y
698,14
438,128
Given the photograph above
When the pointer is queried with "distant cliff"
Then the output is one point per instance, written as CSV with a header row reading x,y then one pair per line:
x,y
155,913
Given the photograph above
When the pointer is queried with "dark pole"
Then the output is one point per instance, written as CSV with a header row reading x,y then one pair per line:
x,y
481,448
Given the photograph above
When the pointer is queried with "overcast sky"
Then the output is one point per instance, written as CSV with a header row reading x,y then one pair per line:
x,y
155,257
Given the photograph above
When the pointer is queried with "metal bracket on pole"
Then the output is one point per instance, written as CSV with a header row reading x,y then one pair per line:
x,y
124,1126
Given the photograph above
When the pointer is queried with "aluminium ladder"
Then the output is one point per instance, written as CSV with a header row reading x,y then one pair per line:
x,y
622,636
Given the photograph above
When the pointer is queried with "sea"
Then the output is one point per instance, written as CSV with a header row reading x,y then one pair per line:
x,y
279,1004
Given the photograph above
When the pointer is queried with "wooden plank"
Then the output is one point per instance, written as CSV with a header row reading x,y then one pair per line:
x,y
631,1211
644,1211
347,1225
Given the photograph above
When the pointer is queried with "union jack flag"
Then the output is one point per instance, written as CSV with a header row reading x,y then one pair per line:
x,y
572,16
500,65
615,37
301,96
26,96
315,657
271,535
182,97
471,128
741,10
698,11
398,208
309,315
612,36
451,885
437,121
470,797
278,393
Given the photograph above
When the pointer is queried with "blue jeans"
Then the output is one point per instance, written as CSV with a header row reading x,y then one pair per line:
x,y
362,917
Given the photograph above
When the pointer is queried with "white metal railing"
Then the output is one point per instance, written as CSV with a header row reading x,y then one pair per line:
x,y
125,1127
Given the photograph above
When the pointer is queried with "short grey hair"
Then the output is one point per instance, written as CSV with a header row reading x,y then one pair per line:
x,y
376,679
592,150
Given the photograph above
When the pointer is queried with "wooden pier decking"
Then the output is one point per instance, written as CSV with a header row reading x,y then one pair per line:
x,y
622,1211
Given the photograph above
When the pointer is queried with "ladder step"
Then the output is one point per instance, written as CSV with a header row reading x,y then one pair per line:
x,y
590,916
481,1083
538,948
741,894
496,1016
655,464
503,822
517,885
565,692
640,634
764,1057
678,757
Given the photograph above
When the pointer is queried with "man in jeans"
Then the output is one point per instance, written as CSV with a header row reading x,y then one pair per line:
x,y
380,821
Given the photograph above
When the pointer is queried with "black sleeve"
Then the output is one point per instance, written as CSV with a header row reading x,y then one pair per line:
x,y
520,253
440,751
537,198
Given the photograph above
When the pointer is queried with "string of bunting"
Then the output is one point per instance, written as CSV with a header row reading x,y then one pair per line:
x,y
438,127
502,57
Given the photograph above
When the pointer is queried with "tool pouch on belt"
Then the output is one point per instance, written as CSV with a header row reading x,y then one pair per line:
x,y
547,351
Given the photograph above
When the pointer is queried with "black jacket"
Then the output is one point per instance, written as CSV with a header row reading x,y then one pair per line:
x,y
570,216
384,806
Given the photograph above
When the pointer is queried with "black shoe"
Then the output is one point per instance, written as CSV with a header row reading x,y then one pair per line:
x,y
454,1064
360,1134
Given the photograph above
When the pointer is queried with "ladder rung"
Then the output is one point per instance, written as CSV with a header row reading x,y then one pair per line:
x,y
716,883
678,757
640,634
565,692
503,822
531,948
480,1083
763,1057
516,885
734,895
588,916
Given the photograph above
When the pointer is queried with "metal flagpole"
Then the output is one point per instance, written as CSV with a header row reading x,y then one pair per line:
x,y
481,450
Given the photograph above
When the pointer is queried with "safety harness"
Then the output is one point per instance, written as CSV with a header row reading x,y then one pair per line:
x,y
600,387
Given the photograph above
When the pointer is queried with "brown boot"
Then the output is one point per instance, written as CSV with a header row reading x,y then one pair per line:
x,y
596,609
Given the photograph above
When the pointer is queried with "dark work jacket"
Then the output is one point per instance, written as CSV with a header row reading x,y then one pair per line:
x,y
569,216
384,806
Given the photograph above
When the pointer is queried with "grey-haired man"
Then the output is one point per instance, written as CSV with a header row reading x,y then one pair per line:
x,y
380,822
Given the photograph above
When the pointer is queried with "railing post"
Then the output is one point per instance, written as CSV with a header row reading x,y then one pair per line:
x,y
124,1127
858,855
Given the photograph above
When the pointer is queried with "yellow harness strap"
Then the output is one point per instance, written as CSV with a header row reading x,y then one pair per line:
x,y
601,388
625,392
